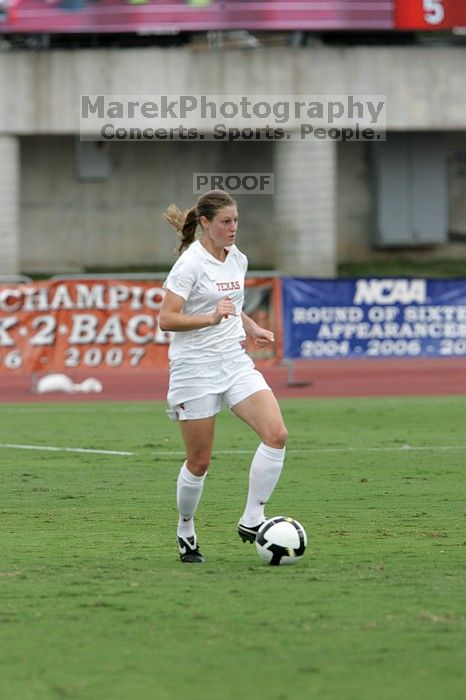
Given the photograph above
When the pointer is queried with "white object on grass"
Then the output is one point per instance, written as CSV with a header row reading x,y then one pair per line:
x,y
63,383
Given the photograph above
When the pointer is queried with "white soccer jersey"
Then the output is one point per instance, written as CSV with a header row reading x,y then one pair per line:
x,y
202,281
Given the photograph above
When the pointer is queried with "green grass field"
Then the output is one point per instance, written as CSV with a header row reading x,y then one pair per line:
x,y
95,605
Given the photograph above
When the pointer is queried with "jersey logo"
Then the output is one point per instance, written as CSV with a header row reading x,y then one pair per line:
x,y
228,286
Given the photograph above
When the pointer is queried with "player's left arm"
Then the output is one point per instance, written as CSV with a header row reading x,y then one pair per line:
x,y
261,336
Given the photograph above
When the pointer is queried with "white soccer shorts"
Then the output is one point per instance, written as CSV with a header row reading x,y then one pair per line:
x,y
209,386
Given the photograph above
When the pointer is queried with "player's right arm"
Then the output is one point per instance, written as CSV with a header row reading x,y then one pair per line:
x,y
173,318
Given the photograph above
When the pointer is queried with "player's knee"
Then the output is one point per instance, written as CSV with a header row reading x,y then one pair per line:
x,y
282,436
276,437
199,465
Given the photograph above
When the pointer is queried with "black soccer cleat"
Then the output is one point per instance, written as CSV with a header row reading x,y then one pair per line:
x,y
248,534
189,550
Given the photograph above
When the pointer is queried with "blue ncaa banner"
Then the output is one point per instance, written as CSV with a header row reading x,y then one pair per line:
x,y
374,317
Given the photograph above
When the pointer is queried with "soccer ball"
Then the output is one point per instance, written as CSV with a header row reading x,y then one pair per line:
x,y
281,540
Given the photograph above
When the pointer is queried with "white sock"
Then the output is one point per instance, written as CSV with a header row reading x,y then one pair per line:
x,y
188,494
266,467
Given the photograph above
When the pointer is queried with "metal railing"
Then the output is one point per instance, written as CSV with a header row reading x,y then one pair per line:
x,y
15,279
145,275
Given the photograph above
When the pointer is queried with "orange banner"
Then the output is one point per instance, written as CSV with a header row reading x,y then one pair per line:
x,y
60,325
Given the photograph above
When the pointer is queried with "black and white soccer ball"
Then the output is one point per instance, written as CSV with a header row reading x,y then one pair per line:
x,y
281,540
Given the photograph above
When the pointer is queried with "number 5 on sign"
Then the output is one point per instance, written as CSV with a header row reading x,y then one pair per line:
x,y
430,15
434,11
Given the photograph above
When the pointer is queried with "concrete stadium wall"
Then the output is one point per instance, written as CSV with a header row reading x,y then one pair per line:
x,y
320,209
69,225
355,207
39,92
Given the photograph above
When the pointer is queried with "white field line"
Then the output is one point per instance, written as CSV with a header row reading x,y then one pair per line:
x,y
70,408
50,448
291,450
176,453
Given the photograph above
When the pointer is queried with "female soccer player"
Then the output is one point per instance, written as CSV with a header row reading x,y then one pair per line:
x,y
208,363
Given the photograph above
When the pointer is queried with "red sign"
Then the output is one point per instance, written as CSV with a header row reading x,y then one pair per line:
x,y
168,16
62,325
430,14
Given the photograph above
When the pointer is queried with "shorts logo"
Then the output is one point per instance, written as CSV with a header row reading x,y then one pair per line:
x,y
181,405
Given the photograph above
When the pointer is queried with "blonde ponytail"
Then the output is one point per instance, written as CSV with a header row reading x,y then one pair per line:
x,y
185,222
